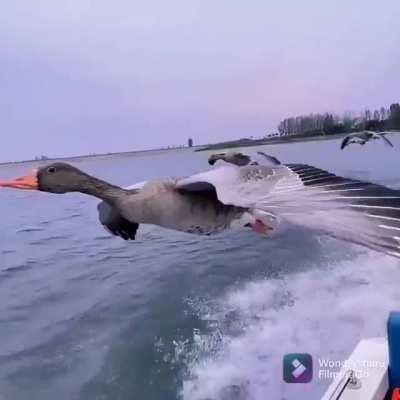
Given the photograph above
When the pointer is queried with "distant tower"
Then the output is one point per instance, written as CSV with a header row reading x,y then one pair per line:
x,y
190,142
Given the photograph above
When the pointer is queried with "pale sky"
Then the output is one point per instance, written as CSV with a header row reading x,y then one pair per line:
x,y
79,77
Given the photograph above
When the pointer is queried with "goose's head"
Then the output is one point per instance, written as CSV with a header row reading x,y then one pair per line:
x,y
53,178
215,157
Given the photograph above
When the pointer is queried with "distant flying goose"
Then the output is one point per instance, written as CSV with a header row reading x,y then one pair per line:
x,y
256,196
364,137
236,158
241,159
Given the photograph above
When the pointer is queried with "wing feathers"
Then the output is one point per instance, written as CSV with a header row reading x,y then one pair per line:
x,y
115,223
386,140
357,211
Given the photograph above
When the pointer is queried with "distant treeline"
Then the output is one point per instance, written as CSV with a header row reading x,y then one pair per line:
x,y
327,124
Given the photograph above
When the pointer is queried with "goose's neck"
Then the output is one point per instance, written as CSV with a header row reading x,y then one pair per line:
x,y
101,189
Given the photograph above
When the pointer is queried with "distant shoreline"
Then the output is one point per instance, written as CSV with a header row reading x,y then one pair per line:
x,y
266,142
209,147
278,140
86,156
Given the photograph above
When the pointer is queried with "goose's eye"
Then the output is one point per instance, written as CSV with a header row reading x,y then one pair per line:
x,y
51,170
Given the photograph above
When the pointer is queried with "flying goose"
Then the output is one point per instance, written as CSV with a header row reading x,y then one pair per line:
x,y
232,157
364,137
255,196
241,159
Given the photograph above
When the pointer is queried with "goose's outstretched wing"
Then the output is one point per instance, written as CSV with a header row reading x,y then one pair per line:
x,y
352,210
114,222
347,140
271,159
386,140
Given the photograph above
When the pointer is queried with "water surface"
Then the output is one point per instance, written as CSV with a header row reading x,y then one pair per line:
x,y
84,315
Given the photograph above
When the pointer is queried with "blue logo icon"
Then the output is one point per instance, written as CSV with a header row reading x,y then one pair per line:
x,y
297,368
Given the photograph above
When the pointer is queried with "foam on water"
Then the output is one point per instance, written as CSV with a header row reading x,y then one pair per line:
x,y
322,312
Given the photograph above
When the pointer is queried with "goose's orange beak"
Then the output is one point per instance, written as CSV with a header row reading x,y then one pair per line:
x,y
25,182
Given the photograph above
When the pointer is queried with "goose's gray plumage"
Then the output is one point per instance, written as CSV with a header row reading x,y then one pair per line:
x,y
363,137
115,223
162,203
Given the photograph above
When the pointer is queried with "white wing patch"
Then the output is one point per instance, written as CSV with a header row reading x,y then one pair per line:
x,y
137,185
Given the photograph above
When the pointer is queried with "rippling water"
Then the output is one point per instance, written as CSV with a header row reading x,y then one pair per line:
x,y
172,316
